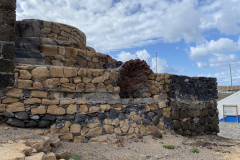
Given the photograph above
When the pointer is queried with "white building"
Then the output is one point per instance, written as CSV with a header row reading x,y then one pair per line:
x,y
233,99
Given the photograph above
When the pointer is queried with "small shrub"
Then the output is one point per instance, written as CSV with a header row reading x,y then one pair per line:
x,y
195,150
169,146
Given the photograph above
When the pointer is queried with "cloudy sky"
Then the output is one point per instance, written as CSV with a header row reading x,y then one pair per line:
x,y
192,37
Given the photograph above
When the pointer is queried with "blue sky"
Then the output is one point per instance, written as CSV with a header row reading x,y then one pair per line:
x,y
192,37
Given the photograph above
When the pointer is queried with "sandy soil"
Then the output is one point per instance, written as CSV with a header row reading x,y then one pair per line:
x,y
147,148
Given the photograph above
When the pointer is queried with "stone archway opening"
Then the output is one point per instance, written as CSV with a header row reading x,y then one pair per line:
x,y
132,78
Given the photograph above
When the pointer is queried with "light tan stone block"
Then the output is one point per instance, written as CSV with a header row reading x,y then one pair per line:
x,y
50,156
113,75
24,74
101,87
66,137
50,102
70,72
147,107
153,107
115,122
107,121
83,109
82,72
166,112
8,100
37,85
92,125
25,83
116,89
80,87
35,156
79,139
55,110
105,107
40,72
3,107
110,88
66,102
52,83
24,67
117,130
64,80
84,130
56,71
61,50
32,101
65,128
153,90
131,130
135,117
108,128
117,106
94,132
39,110
95,73
94,109
55,29
75,128
125,128
49,50
15,107
162,104
90,87
71,52
160,125
101,79
68,86
39,94
77,80
86,80
71,109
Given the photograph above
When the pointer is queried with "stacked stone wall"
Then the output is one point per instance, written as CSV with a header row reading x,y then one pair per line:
x,y
43,42
80,104
7,42
193,105
61,83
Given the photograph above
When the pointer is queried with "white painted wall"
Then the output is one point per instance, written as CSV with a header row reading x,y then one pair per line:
x,y
233,99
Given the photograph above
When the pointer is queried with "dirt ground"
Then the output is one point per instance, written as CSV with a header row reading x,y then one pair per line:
x,y
146,148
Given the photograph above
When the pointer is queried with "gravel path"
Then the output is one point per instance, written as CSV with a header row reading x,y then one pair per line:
x,y
211,147
229,130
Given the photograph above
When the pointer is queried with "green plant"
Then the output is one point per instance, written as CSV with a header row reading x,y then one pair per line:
x,y
169,146
72,157
195,150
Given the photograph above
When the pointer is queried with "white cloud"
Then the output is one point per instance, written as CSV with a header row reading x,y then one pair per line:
x,y
221,46
201,64
125,56
141,54
113,25
222,15
162,66
216,53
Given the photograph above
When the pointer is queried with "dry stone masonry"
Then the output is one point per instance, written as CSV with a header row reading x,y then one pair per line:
x,y
81,94
7,42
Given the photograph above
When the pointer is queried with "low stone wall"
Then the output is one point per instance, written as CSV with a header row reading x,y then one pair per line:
x,y
80,104
43,42
7,42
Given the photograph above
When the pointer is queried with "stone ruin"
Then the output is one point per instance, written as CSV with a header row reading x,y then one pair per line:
x,y
50,78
